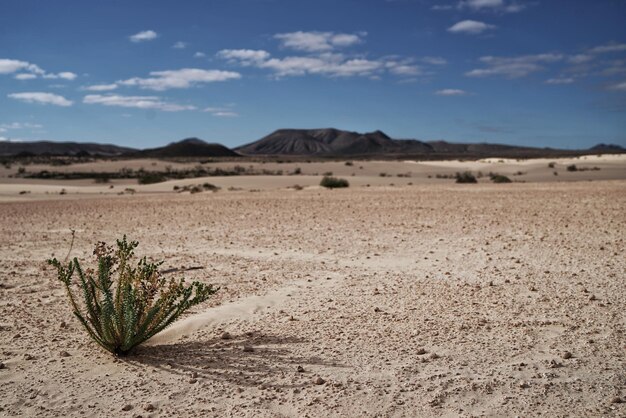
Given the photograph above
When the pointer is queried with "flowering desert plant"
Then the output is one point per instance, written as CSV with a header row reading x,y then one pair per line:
x,y
122,304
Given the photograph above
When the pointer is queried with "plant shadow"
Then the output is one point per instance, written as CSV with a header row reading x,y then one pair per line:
x,y
265,358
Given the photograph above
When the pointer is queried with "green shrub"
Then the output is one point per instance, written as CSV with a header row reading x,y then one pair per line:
x,y
465,177
121,313
499,178
151,177
333,182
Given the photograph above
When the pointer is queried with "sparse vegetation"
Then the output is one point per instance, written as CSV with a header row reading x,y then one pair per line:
x,y
465,177
551,165
121,313
349,163
499,178
334,182
572,167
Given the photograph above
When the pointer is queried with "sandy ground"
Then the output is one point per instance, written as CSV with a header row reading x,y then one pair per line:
x,y
424,300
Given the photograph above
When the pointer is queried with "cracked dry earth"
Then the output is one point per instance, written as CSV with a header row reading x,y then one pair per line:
x,y
458,300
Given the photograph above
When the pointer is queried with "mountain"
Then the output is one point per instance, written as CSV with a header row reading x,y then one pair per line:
x,y
190,147
331,142
608,148
8,148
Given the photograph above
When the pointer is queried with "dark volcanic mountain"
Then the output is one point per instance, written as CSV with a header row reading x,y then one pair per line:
x,y
331,142
8,148
190,147
607,148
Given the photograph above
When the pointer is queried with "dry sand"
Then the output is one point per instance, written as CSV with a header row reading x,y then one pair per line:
x,y
424,300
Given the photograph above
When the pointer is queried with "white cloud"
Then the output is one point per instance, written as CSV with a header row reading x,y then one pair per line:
x,y
66,75
19,125
139,102
199,55
8,66
180,79
619,87
318,41
513,67
608,48
451,92
180,45
42,98
146,35
101,87
221,112
243,56
580,58
471,27
490,5
434,60
25,76
560,80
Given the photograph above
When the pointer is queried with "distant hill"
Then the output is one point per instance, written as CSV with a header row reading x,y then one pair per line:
x,y
190,147
330,142
8,148
608,148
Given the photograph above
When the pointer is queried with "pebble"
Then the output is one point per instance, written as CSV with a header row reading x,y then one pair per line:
x,y
28,357
566,355
319,381
64,354
127,407
247,349
377,310
226,336
148,407
617,399
192,381
2,366
420,351
300,369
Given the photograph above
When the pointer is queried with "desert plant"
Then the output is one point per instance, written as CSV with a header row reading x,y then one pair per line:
x,y
333,182
499,178
121,313
572,167
465,177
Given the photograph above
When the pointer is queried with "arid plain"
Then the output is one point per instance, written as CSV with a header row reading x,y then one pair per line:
x,y
396,297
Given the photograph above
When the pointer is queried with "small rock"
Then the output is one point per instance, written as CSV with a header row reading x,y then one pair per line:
x,y
566,355
434,356
63,324
300,369
377,310
127,407
225,336
617,399
319,381
194,375
420,351
592,297
149,407
192,381
2,366
28,357
247,349
64,354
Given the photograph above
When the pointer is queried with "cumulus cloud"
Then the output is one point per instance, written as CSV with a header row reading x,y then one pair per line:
x,y
146,35
25,76
318,41
179,79
513,67
138,102
101,87
19,125
243,56
451,92
471,27
199,55
30,71
180,45
41,98
434,60
499,6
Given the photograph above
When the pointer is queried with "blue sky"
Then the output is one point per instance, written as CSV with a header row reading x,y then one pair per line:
x,y
146,73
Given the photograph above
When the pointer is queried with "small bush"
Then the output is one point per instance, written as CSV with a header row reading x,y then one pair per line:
x,y
333,182
551,165
328,173
572,167
297,171
499,178
121,313
465,177
151,178
349,163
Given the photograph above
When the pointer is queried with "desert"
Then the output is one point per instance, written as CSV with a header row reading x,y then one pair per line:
x,y
428,299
